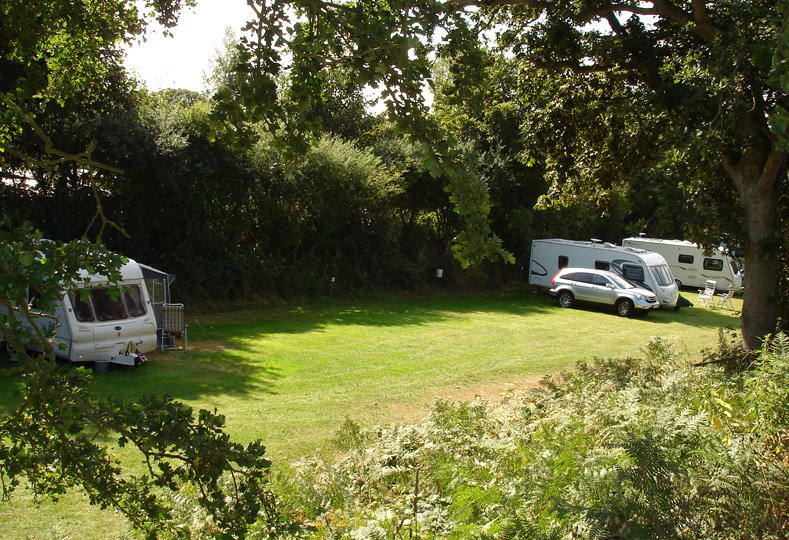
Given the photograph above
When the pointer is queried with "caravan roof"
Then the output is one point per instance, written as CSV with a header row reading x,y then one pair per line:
x,y
129,271
649,257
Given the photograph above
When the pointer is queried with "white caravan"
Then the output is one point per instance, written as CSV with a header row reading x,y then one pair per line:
x,y
690,266
105,323
646,268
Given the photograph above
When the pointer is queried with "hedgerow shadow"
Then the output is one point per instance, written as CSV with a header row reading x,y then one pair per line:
x,y
228,354
408,312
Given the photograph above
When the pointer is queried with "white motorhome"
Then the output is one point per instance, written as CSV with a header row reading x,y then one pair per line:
x,y
689,264
646,268
105,323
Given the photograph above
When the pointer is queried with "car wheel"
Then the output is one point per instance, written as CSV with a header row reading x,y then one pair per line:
x,y
565,299
625,308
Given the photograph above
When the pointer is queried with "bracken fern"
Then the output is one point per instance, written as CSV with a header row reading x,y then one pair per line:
x,y
648,447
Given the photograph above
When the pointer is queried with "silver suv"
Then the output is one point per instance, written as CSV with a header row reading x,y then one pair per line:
x,y
602,287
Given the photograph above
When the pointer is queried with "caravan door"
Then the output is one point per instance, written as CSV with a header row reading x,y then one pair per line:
x,y
110,316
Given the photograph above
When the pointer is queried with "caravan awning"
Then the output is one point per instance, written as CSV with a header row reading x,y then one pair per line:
x,y
158,284
152,273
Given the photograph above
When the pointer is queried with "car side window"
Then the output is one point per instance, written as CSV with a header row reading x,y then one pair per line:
x,y
584,277
600,280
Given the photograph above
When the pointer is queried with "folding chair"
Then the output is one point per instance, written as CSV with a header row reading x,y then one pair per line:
x,y
724,300
173,328
707,295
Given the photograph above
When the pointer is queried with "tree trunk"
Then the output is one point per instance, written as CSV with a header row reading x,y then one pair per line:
x,y
759,307
756,176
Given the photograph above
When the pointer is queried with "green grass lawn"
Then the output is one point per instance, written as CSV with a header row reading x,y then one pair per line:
x,y
290,376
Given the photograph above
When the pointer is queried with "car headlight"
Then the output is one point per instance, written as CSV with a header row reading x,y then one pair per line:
x,y
639,296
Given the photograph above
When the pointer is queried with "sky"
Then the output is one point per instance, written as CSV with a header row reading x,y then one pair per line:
x,y
182,60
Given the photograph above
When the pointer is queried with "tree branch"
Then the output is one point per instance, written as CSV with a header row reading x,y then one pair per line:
x,y
82,158
615,25
703,28
775,162
540,4
698,21
575,68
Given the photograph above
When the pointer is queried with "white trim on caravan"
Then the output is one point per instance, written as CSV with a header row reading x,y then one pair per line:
x,y
646,268
105,323
690,266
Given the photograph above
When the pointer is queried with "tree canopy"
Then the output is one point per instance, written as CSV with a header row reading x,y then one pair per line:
x,y
60,67
610,88
545,114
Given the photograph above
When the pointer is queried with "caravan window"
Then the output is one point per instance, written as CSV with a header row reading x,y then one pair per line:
x,y
81,304
602,265
563,262
108,305
33,298
715,265
133,298
685,259
633,273
662,275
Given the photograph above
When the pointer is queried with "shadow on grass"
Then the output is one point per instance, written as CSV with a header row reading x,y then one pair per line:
x,y
185,376
690,316
399,312
191,376
224,360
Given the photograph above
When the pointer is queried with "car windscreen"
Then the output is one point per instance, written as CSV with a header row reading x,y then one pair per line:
x,y
621,283
662,275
